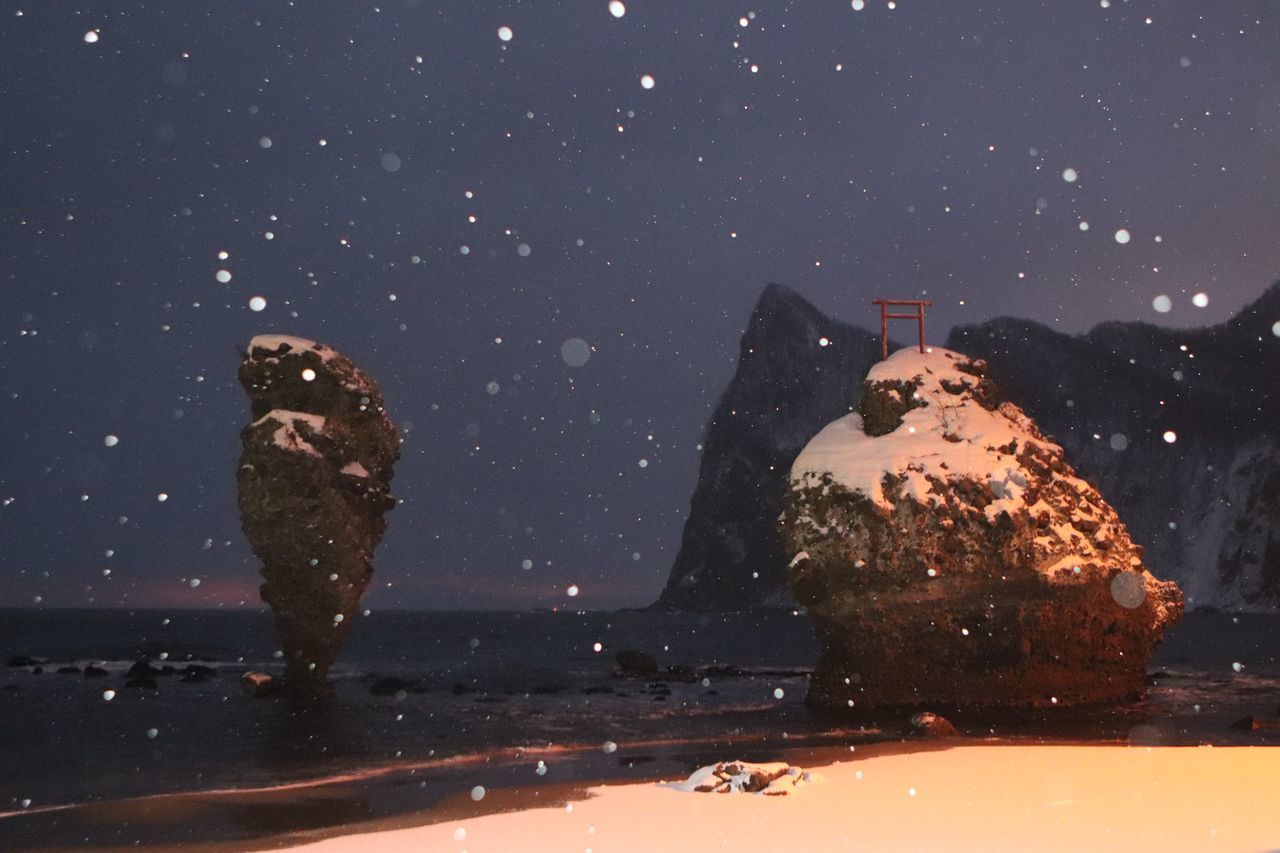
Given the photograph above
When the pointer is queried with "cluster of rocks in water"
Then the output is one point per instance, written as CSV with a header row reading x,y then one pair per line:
x,y
641,665
143,673
633,667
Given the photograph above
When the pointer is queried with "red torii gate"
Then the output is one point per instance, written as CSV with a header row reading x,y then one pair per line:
x,y
885,317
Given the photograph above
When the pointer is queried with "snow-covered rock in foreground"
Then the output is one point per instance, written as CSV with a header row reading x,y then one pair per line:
x,y
951,555
774,779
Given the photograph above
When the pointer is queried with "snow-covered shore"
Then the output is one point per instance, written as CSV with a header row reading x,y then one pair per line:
x,y
971,797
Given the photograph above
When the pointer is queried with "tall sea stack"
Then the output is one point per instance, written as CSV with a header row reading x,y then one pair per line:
x,y
950,556
314,485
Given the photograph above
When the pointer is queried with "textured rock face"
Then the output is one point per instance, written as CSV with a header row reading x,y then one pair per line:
x,y
314,482
1207,507
949,554
787,385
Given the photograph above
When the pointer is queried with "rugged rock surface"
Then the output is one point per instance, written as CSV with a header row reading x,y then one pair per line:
x,y
949,555
631,662
314,483
1206,507
257,684
797,370
929,724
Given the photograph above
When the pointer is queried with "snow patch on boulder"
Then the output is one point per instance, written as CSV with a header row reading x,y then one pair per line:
x,y
288,436
274,344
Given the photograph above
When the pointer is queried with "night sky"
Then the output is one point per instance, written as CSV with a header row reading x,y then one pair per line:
x,y
337,151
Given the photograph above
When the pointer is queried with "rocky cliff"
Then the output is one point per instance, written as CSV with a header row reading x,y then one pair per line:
x,y
314,482
1206,506
1179,429
948,553
797,370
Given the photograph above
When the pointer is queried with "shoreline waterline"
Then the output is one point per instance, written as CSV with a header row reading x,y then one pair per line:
x,y
938,795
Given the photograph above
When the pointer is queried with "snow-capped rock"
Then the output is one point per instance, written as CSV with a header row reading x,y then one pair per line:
x,y
953,556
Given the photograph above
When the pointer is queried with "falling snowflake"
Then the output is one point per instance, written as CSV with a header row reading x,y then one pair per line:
x,y
576,352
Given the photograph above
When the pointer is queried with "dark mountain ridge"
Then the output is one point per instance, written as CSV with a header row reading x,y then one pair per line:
x,y
1205,505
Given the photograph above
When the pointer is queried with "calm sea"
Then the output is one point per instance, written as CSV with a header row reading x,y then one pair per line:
x,y
483,681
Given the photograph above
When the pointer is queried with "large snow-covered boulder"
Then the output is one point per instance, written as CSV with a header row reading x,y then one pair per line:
x,y
949,555
314,482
